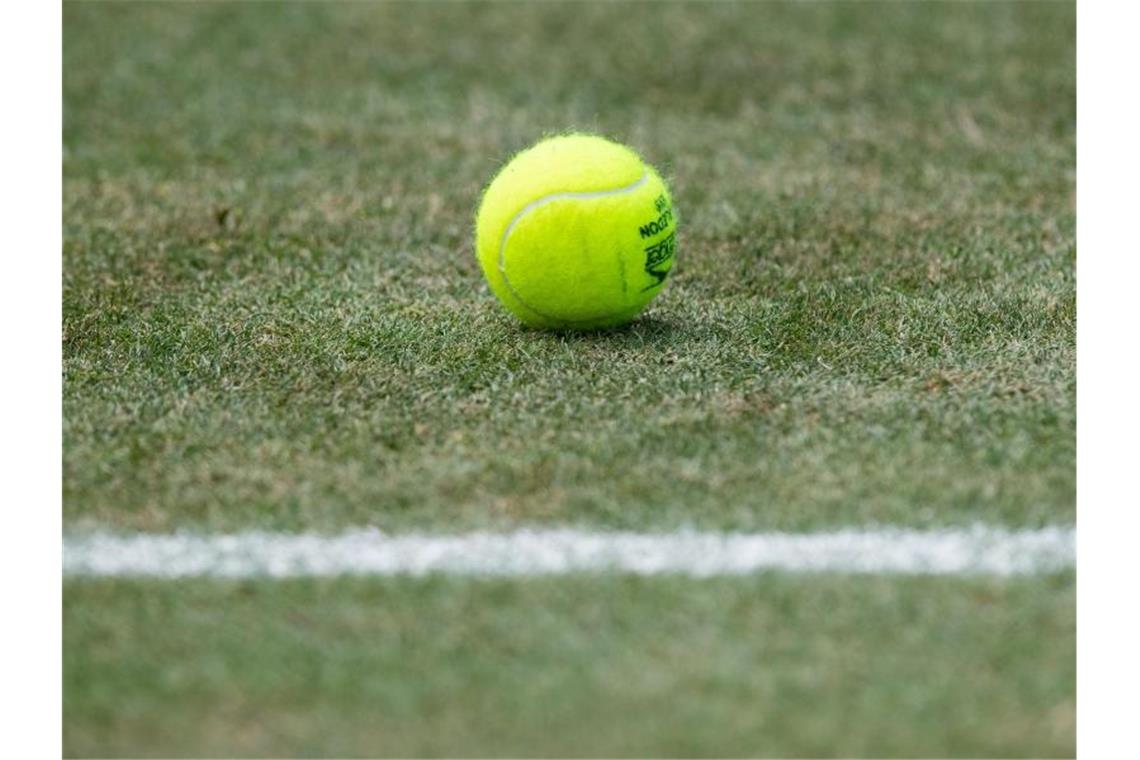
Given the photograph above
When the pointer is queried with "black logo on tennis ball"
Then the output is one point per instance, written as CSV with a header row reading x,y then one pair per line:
x,y
661,223
659,256
658,260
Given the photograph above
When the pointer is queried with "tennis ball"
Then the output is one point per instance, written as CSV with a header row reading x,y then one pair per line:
x,y
577,233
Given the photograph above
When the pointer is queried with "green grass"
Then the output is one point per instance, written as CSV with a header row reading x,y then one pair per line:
x,y
273,314
273,318
766,666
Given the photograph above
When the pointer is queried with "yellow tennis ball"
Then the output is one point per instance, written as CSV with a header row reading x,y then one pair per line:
x,y
576,232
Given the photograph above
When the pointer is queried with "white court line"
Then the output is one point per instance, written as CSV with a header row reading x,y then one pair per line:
x,y
977,550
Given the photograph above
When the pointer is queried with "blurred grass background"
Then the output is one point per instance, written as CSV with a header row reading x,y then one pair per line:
x,y
566,667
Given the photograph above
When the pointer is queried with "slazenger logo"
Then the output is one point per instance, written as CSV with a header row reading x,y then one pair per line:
x,y
658,260
659,256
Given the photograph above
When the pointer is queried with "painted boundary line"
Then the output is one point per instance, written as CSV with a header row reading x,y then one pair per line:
x,y
977,550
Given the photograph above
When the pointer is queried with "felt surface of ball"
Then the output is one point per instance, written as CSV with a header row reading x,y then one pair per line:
x,y
576,232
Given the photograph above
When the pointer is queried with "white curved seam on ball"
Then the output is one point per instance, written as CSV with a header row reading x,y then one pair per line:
x,y
539,202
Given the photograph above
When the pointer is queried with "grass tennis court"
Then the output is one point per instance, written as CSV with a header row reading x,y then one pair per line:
x,y
274,320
